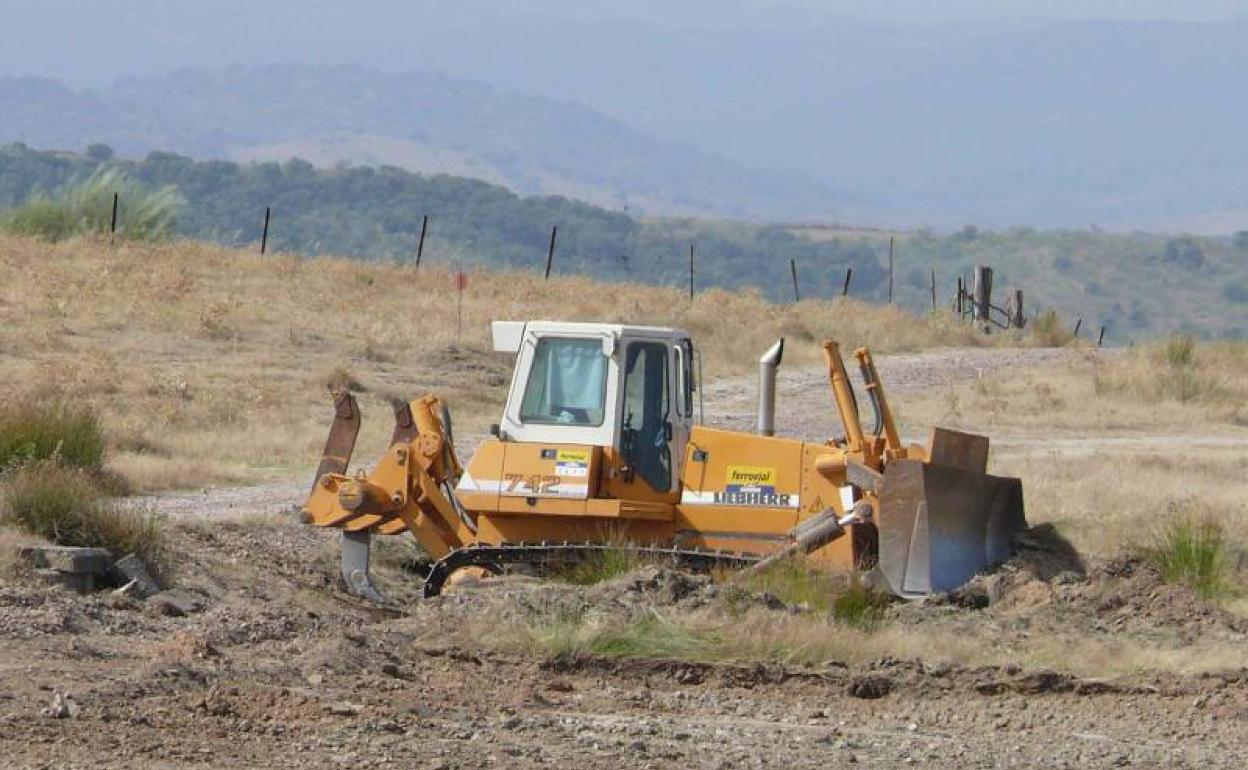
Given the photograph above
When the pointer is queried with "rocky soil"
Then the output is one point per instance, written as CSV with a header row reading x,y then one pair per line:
x,y
271,664
277,667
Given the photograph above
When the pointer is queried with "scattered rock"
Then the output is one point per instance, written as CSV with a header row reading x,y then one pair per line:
x,y
771,601
392,669
141,582
62,707
1036,682
870,686
175,603
1068,578
344,709
559,685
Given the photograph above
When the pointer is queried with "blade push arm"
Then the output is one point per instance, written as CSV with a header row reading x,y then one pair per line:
x,y
875,390
410,489
843,394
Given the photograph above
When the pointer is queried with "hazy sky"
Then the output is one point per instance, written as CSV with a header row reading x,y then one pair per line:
x,y
88,42
909,102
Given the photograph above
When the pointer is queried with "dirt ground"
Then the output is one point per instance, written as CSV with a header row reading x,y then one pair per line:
x,y
274,665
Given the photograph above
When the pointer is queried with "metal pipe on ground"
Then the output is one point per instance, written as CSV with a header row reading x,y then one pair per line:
x,y
767,366
818,531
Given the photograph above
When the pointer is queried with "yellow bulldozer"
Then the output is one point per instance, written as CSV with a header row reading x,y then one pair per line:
x,y
600,446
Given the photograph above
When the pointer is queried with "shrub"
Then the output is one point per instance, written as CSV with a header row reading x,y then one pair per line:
x,y
65,506
87,207
1048,331
1178,351
41,217
34,431
1193,551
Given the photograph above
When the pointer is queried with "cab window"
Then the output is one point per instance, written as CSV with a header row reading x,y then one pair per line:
x,y
567,383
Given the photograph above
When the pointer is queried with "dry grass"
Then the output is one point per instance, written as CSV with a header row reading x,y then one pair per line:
x,y
36,430
11,540
810,640
1167,387
1178,371
1107,448
65,506
209,365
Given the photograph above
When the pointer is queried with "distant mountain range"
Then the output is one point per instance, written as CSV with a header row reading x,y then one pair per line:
x,y
418,121
1001,114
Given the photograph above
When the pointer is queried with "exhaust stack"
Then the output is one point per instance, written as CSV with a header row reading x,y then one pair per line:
x,y
767,365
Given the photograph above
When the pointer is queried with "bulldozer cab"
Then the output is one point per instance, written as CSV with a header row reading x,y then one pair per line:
x,y
627,388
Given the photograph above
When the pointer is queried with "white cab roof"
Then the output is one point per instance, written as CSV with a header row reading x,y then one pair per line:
x,y
507,334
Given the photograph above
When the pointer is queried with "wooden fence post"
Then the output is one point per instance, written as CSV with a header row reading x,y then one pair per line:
x,y
1101,339
264,237
1019,318
933,290
1078,323
849,273
112,228
983,295
797,297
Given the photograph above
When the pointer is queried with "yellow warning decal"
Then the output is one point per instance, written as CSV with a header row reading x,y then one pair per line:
x,y
573,456
751,475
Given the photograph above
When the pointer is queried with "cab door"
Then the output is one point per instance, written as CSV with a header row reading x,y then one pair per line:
x,y
682,396
648,418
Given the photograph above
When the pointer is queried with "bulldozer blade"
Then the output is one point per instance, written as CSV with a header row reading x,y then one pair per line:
x,y
355,558
939,525
341,441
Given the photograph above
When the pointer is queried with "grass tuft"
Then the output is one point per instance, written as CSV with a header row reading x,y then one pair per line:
x,y
34,431
1193,552
651,635
600,566
798,583
859,605
65,506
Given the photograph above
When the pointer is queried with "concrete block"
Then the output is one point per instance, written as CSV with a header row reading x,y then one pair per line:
x,y
80,582
64,558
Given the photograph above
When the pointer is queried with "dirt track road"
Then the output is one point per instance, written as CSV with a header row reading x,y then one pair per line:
x,y
804,406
